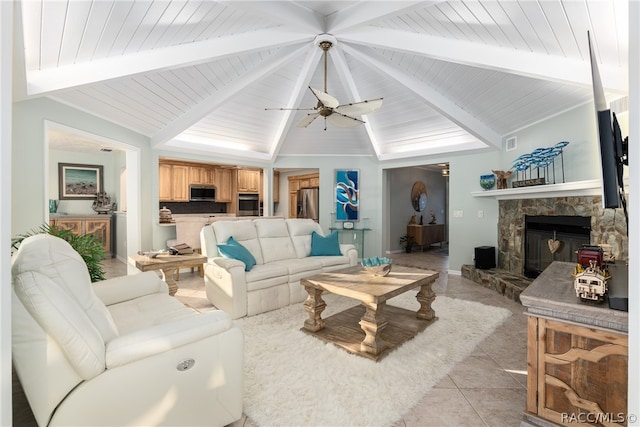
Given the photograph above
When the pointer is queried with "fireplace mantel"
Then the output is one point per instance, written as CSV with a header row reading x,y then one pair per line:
x,y
567,189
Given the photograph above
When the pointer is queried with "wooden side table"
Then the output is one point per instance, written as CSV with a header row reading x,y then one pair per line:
x,y
577,354
168,264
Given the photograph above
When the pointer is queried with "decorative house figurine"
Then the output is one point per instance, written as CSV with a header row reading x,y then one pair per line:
x,y
102,204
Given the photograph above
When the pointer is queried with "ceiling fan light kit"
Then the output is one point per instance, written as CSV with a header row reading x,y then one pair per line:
x,y
330,108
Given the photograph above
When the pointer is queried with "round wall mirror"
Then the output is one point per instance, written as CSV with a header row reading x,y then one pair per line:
x,y
419,196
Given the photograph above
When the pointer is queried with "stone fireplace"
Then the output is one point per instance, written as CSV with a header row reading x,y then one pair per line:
x,y
549,238
608,226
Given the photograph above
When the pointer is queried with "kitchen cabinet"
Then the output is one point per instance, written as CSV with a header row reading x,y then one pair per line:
x,y
173,182
577,354
276,186
203,175
248,181
293,204
222,181
97,225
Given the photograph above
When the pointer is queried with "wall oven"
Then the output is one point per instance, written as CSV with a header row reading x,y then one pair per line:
x,y
248,204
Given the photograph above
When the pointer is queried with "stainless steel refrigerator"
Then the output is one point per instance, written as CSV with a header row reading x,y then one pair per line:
x,y
308,203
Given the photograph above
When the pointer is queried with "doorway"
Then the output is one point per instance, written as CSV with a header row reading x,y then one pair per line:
x,y
84,145
400,205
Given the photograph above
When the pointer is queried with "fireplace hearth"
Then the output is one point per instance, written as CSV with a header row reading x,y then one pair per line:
x,y
551,238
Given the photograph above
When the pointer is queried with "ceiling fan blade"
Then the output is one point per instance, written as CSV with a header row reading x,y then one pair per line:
x,y
306,120
343,121
290,109
359,108
326,99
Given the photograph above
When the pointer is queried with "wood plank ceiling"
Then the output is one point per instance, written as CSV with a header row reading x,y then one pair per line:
x,y
196,76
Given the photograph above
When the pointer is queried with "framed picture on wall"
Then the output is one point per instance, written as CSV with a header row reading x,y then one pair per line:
x,y
348,195
79,182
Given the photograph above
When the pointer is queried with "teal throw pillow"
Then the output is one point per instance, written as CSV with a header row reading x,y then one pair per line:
x,y
325,245
235,250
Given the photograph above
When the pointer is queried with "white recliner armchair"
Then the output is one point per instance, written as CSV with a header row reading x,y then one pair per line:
x,y
117,352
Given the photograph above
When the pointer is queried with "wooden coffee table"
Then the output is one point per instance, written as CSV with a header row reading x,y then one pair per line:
x,y
372,329
168,264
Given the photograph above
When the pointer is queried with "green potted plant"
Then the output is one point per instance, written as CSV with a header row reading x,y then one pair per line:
x,y
87,245
407,242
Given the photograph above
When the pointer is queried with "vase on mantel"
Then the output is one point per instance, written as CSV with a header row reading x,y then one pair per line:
x,y
487,181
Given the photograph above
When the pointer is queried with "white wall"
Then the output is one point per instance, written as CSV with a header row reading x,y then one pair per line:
x,y
578,127
473,221
28,160
6,53
111,186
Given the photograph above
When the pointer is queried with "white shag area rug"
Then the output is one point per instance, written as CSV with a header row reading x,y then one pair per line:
x,y
294,379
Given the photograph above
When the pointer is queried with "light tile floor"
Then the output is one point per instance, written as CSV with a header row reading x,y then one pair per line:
x,y
488,388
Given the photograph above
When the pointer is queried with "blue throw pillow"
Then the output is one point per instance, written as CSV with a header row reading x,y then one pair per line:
x,y
328,245
235,250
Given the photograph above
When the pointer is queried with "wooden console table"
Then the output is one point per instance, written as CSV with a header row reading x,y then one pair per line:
x,y
99,225
426,235
576,355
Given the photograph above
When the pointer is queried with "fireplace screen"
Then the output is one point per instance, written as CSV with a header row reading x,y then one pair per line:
x,y
553,238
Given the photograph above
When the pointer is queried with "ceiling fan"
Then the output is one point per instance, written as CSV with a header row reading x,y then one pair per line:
x,y
341,115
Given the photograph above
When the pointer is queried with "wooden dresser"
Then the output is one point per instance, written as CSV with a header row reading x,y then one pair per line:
x,y
576,355
98,225
426,235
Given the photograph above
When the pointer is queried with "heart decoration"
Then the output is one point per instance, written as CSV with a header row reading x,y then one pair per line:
x,y
554,245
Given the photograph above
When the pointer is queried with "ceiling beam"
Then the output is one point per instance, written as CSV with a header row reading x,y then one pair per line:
x,y
289,15
203,147
297,94
519,62
214,100
430,96
363,13
346,77
71,76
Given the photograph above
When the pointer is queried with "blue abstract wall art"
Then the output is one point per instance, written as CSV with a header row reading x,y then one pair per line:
x,y
347,195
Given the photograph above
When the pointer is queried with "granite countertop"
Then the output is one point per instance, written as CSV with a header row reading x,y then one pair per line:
x,y
208,217
552,295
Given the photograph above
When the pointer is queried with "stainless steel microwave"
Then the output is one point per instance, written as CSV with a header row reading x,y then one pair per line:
x,y
202,193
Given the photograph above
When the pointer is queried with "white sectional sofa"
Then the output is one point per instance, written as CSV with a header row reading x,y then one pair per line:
x,y
282,250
